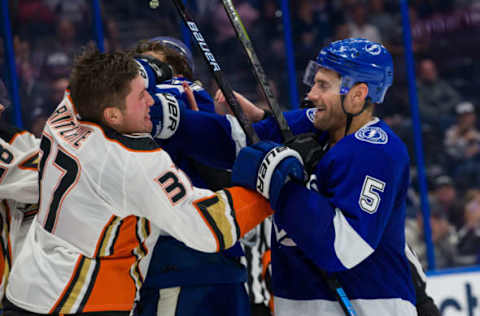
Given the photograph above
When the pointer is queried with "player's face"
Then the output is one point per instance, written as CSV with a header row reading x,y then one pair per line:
x,y
325,95
136,115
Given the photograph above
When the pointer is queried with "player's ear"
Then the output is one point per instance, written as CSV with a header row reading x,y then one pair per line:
x,y
358,96
112,116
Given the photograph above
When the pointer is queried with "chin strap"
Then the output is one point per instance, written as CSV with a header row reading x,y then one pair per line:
x,y
350,116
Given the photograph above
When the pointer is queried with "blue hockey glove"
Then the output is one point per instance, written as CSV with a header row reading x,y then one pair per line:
x,y
165,115
266,167
153,71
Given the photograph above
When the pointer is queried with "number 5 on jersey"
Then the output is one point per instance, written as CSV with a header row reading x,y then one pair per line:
x,y
370,197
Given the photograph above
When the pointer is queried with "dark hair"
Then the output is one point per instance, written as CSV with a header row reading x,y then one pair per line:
x,y
101,80
171,56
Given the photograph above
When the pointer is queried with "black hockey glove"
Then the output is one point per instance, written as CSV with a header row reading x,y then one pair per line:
x,y
308,148
425,304
153,70
427,308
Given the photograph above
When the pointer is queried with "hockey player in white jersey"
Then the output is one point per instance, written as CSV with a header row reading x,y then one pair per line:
x,y
18,192
107,191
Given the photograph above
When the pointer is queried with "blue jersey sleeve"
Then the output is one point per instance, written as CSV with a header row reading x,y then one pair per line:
x,y
216,139
299,121
359,185
204,101
209,138
204,136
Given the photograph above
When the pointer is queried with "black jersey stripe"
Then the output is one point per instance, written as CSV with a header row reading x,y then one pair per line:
x,y
232,211
71,286
203,207
91,284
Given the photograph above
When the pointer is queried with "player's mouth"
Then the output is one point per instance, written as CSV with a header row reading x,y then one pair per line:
x,y
319,112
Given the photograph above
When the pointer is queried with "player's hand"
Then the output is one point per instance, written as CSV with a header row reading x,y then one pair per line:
x,y
153,70
308,148
1,109
165,115
266,167
251,111
190,96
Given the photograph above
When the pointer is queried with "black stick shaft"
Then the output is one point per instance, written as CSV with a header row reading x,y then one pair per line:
x,y
257,68
217,72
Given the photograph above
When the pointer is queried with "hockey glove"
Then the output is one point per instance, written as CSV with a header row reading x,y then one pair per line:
x,y
153,71
165,115
266,167
425,304
308,148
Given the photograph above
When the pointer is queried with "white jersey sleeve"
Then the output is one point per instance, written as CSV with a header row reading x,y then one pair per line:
x,y
18,170
18,193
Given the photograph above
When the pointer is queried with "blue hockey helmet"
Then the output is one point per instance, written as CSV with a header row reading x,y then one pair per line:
x,y
357,60
178,45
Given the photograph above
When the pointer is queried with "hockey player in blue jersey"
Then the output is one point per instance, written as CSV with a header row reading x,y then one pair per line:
x,y
186,282
349,217
386,283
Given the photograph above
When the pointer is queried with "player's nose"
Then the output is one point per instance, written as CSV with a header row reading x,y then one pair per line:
x,y
150,100
312,95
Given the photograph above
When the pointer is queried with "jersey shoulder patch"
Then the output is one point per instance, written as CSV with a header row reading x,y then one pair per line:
x,y
311,114
372,134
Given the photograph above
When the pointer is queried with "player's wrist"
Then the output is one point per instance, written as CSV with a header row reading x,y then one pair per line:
x,y
265,114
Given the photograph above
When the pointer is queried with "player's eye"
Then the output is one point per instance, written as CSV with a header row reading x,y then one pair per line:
x,y
322,85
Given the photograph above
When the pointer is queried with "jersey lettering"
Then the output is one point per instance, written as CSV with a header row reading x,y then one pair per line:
x,y
5,155
45,147
369,197
174,189
69,169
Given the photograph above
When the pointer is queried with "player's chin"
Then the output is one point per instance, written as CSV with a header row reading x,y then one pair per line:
x,y
147,128
319,123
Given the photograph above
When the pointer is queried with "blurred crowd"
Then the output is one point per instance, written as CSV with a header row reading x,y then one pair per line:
x,y
47,34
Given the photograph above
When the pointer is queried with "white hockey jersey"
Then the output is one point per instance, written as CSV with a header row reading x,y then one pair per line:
x,y
104,199
18,193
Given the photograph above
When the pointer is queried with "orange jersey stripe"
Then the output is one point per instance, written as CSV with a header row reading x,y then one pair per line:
x,y
250,208
114,287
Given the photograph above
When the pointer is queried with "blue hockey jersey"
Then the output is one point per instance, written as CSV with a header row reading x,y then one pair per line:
x,y
348,220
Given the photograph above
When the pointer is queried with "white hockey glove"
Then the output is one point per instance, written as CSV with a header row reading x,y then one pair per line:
x,y
165,115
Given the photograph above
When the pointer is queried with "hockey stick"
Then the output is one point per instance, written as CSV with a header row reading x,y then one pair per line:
x,y
260,76
242,35
340,294
215,69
